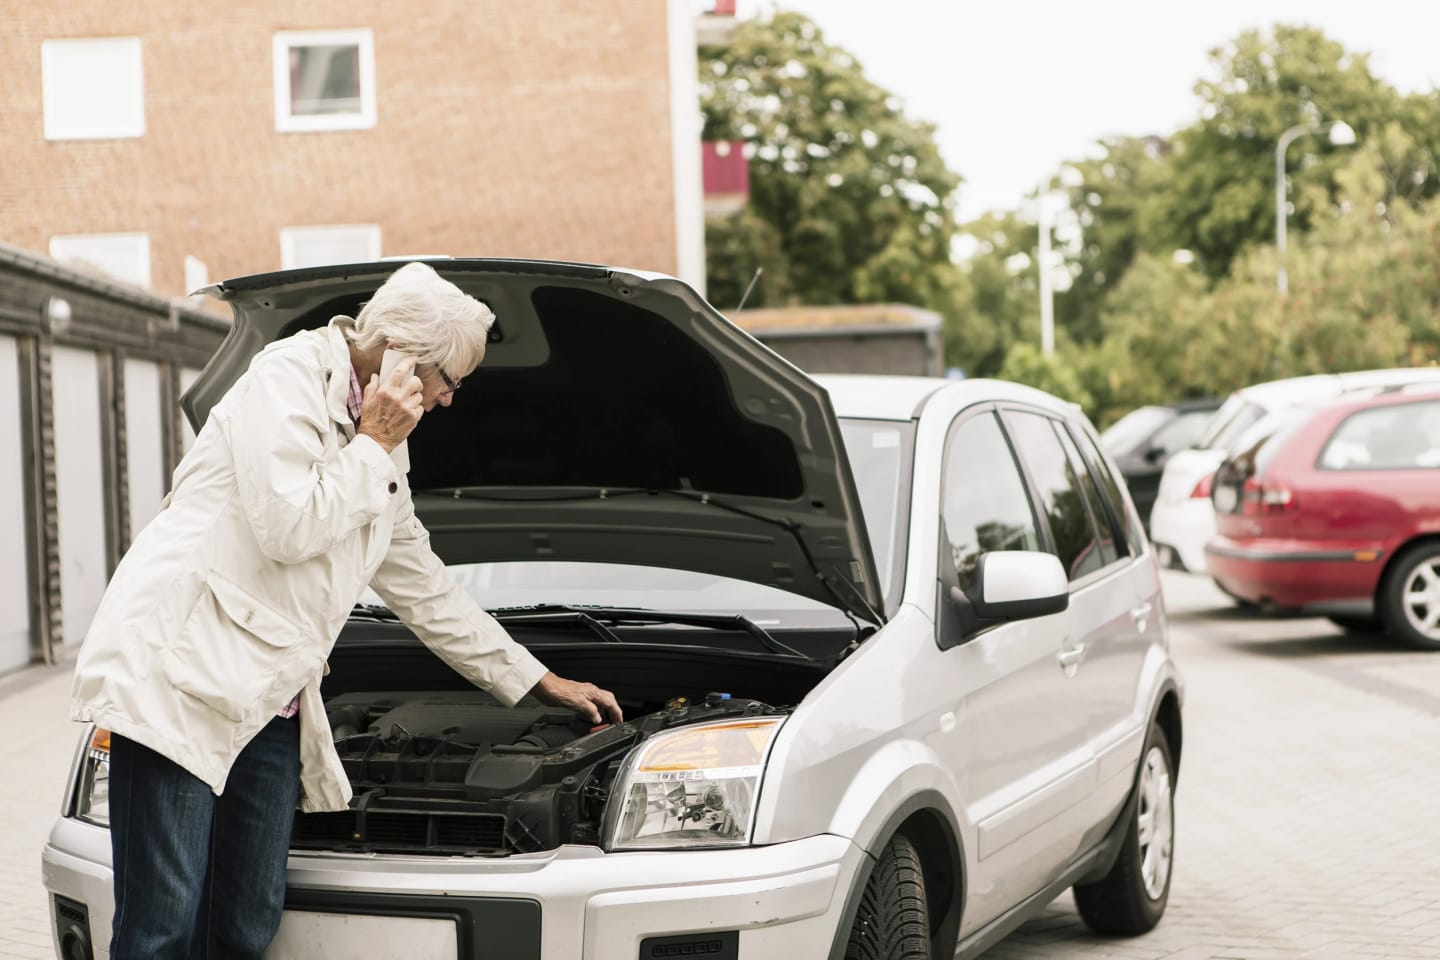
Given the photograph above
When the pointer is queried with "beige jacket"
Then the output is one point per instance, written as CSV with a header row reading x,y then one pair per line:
x,y
229,601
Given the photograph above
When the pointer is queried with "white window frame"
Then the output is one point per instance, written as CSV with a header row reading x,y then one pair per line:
x,y
289,236
67,119
63,249
285,122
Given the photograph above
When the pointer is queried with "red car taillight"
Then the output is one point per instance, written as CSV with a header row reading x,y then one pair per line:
x,y
1259,498
1202,489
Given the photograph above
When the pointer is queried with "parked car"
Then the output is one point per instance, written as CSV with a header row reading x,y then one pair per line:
x,y
892,652
1144,440
1183,519
1332,509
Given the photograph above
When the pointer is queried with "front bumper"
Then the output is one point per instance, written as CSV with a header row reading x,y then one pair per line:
x,y
784,900
1301,575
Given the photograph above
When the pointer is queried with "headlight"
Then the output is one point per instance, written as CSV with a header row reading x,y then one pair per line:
x,y
94,805
692,787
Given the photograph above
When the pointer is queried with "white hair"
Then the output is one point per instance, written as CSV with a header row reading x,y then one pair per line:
x,y
432,319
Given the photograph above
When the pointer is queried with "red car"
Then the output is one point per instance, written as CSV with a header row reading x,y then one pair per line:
x,y
1334,509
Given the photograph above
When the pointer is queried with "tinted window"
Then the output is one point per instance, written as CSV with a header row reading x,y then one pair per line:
x,y
1110,491
984,506
1402,437
1061,498
1110,551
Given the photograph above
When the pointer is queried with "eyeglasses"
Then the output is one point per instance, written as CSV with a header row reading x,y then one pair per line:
x,y
450,385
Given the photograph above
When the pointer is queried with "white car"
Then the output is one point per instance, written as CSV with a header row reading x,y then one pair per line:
x,y
1183,519
892,653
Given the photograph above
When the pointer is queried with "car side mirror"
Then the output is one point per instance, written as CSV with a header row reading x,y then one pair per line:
x,y
1016,585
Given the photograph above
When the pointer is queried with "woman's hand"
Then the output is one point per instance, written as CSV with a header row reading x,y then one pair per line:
x,y
584,698
391,409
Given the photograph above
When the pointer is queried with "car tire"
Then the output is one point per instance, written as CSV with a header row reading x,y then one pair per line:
x,y
1131,898
1358,624
893,920
1410,597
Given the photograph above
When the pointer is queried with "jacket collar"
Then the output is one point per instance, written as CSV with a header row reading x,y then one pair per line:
x,y
337,390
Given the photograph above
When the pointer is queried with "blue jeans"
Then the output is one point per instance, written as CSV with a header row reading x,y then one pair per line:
x,y
198,875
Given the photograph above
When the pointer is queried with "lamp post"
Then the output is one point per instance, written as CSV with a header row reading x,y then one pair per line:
x,y
1341,135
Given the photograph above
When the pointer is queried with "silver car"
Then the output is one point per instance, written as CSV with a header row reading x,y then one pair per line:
x,y
892,653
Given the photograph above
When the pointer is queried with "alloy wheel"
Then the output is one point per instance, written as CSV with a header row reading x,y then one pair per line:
x,y
1421,598
1156,823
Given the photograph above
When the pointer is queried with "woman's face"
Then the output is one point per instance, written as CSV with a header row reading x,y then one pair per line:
x,y
437,387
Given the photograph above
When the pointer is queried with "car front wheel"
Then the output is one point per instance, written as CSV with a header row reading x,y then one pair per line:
x,y
1410,598
893,922
1131,898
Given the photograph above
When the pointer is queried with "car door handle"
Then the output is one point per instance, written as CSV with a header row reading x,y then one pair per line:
x,y
1141,615
1071,655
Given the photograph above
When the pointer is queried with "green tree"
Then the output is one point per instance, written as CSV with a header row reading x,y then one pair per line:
x,y
854,192
1111,197
1220,197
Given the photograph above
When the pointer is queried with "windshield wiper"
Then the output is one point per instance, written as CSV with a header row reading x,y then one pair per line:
x,y
592,617
373,611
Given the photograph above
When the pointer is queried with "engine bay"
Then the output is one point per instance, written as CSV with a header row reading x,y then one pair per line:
x,y
456,772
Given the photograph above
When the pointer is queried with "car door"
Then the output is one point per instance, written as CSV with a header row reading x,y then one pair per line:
x,y
1102,620
1111,673
1016,737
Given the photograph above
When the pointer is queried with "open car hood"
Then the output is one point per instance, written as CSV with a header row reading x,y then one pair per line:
x,y
617,417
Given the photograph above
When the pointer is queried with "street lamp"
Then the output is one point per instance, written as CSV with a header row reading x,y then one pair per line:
x,y
1341,135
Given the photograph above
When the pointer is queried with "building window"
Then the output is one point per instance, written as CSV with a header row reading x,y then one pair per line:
x,y
93,89
324,80
119,256
197,275
321,246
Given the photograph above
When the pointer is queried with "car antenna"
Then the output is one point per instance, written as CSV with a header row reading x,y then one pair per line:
x,y
746,296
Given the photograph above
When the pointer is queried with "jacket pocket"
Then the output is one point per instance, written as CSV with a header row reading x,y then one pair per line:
x,y
234,650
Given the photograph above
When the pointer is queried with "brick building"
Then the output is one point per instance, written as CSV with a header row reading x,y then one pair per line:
x,y
171,143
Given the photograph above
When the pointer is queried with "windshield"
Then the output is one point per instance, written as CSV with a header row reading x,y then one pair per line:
x,y
1131,430
880,453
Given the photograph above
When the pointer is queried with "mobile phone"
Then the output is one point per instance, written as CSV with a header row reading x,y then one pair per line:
x,y
388,362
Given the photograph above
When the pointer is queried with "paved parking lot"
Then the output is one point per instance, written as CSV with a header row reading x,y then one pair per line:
x,y
1308,805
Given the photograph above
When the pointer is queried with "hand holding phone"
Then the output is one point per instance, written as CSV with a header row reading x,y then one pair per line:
x,y
390,410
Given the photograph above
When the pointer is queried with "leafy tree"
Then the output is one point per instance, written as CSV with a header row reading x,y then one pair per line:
x,y
1220,199
1112,197
999,301
854,192
1053,374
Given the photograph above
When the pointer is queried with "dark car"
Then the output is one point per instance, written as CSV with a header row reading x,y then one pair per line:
x,y
1141,441
1332,509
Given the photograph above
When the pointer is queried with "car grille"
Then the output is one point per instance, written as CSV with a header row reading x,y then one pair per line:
x,y
447,833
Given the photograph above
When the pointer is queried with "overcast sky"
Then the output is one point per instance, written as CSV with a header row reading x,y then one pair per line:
x,y
1016,88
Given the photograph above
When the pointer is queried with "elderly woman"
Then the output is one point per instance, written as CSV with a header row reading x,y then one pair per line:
x,y
205,656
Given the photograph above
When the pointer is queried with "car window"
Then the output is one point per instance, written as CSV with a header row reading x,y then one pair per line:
x,y
1221,420
1111,546
1131,430
1401,437
1110,491
1077,543
1245,418
984,505
1182,431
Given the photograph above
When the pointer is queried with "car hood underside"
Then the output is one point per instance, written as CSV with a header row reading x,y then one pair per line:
x,y
617,418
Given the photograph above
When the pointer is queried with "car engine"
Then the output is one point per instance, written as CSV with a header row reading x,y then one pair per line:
x,y
458,773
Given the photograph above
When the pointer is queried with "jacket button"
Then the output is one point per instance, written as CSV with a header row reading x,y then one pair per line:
x,y
393,486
